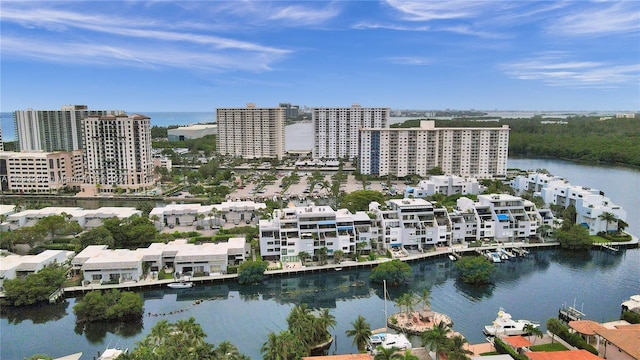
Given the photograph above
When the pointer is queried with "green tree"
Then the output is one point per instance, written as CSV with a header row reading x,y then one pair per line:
x,y
436,338
338,255
425,297
252,272
533,331
283,346
96,236
407,355
34,288
109,306
475,269
360,332
395,272
575,238
52,224
406,300
383,353
568,217
456,348
609,218
359,200
322,254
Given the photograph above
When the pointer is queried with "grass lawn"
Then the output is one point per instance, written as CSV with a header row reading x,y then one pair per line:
x,y
548,347
599,239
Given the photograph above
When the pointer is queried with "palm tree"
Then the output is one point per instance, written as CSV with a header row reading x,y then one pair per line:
x,y
533,330
322,255
383,353
326,321
337,256
425,297
436,337
456,348
407,355
608,217
269,349
303,255
405,300
360,332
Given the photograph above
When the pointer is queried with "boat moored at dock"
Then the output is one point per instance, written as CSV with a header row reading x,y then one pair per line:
x,y
505,325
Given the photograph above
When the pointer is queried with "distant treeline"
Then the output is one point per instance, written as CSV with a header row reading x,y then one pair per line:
x,y
582,138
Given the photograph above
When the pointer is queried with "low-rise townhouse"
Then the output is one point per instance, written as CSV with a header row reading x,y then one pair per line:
x,y
87,219
98,264
15,266
590,203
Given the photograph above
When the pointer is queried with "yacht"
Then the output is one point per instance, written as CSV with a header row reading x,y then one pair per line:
x,y
180,285
388,341
505,325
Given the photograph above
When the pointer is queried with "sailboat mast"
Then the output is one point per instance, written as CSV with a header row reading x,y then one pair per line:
x,y
384,287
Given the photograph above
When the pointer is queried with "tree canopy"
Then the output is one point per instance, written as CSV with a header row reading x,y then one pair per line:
x,y
110,305
359,200
395,272
34,288
475,269
575,238
251,272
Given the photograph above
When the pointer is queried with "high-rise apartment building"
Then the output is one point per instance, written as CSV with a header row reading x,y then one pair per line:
x,y
1,142
53,130
117,153
251,132
290,111
337,129
468,152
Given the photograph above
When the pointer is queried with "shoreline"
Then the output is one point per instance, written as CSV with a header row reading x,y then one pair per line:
x,y
345,265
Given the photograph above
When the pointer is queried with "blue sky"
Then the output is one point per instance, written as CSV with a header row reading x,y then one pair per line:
x,y
200,55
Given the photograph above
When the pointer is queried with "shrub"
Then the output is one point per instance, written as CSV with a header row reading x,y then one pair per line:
x,y
557,327
631,317
503,348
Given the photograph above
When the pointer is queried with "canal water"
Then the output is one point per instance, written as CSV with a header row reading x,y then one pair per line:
x,y
533,288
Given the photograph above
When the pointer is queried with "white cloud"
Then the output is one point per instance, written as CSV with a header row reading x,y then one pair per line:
x,y
367,25
438,10
599,19
556,71
410,60
302,15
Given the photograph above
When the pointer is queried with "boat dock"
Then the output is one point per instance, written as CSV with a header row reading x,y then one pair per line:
x,y
570,313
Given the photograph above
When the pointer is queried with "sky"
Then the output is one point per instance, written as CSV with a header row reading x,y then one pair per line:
x,y
202,55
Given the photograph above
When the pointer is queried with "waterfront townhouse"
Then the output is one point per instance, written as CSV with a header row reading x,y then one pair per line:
x,y
87,219
443,184
500,217
210,216
53,130
293,230
336,130
99,265
466,152
411,224
117,154
40,172
590,204
17,266
251,132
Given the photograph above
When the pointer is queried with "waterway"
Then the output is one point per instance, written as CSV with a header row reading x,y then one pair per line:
x,y
533,288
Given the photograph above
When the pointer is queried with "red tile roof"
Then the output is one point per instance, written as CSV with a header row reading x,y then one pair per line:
x,y
586,327
562,355
517,341
625,337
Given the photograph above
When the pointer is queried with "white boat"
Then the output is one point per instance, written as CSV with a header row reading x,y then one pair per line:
x,y
386,339
111,354
505,325
452,258
493,256
180,285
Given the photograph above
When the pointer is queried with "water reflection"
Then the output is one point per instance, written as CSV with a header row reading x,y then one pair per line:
x,y
38,314
96,332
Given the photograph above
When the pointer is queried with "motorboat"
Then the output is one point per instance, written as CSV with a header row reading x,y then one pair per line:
x,y
452,258
388,341
493,257
181,285
505,325
111,354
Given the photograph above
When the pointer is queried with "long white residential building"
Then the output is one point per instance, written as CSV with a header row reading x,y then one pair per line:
x,y
501,217
203,215
53,130
411,224
100,265
293,230
590,204
191,132
87,219
443,184
336,130
16,266
117,153
40,172
468,152
251,132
